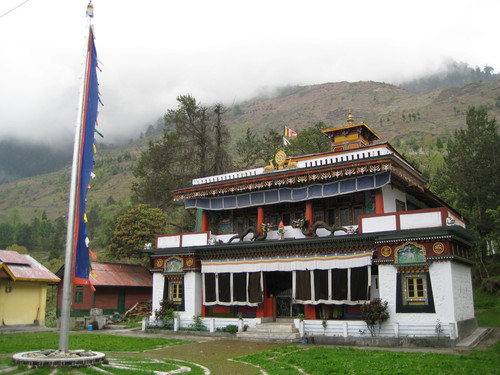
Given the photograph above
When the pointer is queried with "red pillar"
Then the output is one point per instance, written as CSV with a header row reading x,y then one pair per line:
x,y
379,202
310,311
204,222
260,217
309,213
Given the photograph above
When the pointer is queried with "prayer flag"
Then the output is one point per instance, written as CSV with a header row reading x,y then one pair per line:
x,y
86,161
290,133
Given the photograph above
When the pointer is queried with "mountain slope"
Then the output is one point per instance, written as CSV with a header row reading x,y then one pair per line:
x,y
391,111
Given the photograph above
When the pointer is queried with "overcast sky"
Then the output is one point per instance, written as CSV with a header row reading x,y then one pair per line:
x,y
151,51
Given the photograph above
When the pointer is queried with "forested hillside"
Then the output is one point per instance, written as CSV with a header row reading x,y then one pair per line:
x,y
415,123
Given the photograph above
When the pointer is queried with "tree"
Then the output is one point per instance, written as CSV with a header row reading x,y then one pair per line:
x,y
470,176
221,159
6,235
193,145
192,124
248,149
139,226
271,144
162,167
310,141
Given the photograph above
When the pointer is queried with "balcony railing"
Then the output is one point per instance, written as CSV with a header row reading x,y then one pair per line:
x,y
417,219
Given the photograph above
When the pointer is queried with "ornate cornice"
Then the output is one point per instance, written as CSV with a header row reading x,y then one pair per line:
x,y
292,177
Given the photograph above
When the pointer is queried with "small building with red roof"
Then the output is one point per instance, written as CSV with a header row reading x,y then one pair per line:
x,y
117,287
23,289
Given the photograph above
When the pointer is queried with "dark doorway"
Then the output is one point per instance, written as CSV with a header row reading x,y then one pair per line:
x,y
279,285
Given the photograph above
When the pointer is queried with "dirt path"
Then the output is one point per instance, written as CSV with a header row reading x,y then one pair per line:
x,y
215,355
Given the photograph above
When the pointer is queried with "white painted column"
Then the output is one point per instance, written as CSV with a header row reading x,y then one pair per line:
x,y
212,325
158,285
192,293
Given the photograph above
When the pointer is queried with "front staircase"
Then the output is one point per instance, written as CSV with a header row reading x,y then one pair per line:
x,y
283,330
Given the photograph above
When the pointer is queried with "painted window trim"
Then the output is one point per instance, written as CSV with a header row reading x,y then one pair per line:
x,y
404,304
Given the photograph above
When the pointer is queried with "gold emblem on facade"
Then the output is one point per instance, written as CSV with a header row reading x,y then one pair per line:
x,y
189,262
438,247
386,251
159,263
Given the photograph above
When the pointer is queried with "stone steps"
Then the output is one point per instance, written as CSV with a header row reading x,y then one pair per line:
x,y
274,331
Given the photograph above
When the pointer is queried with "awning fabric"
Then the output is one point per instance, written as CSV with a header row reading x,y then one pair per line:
x,y
286,194
292,263
334,279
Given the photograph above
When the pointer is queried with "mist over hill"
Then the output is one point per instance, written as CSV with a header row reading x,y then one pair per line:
x,y
453,74
434,105
20,159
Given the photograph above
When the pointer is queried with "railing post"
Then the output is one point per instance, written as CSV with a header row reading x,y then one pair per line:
x,y
302,328
346,329
144,324
240,325
176,323
212,325
396,330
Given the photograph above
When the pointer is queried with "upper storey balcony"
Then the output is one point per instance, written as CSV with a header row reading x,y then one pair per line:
x,y
367,224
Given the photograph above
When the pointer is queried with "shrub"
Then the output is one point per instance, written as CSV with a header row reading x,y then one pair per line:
x,y
166,310
373,313
491,285
198,323
229,328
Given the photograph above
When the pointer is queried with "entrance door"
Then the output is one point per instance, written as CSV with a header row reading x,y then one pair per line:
x,y
279,285
121,301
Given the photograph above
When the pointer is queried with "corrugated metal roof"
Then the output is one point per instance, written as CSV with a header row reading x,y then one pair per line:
x,y
12,257
117,274
24,267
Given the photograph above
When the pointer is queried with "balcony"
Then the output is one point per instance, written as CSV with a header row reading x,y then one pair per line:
x,y
404,220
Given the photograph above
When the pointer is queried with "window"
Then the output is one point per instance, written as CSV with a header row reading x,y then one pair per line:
x,y
400,206
175,291
357,210
345,217
414,292
78,294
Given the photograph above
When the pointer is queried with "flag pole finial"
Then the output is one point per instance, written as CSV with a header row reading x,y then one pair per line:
x,y
90,10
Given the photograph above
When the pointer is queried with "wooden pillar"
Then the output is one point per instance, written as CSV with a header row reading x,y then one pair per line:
x,y
204,222
309,213
310,311
379,202
260,217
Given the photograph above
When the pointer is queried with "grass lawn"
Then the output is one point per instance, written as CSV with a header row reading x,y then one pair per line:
x,y
487,309
21,342
338,360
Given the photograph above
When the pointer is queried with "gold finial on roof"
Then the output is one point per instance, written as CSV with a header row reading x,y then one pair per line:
x,y
350,120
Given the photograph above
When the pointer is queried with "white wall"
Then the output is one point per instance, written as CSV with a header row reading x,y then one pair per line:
x,y
390,195
387,283
192,294
462,289
451,288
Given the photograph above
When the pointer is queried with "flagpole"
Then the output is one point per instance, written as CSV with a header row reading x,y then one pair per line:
x,y
72,211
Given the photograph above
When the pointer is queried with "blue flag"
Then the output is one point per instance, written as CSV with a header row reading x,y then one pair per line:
x,y
89,118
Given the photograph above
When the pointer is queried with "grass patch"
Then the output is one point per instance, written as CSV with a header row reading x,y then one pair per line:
x,y
487,309
21,342
339,360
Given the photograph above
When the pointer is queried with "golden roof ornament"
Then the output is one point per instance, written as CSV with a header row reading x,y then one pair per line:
x,y
350,120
